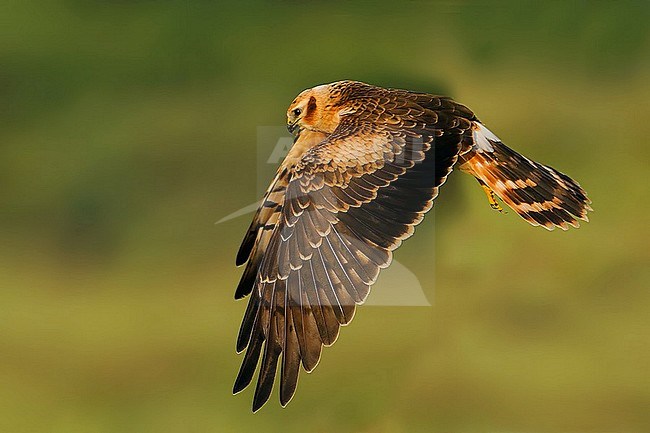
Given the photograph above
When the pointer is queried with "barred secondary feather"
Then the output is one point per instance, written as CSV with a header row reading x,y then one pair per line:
x,y
365,167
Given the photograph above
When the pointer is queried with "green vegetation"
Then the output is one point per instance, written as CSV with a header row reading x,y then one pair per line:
x,y
128,128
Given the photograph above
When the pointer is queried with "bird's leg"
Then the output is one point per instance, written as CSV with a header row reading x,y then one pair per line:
x,y
492,198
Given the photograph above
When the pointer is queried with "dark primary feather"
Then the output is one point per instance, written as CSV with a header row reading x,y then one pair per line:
x,y
332,222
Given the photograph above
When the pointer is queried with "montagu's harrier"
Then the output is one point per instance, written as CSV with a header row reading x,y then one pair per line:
x,y
365,167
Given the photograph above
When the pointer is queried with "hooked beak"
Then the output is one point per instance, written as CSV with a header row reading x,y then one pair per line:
x,y
292,126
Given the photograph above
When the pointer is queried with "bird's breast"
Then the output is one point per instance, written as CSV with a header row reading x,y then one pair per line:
x,y
306,140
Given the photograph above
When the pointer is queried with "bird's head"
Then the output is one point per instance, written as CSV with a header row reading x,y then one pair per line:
x,y
316,109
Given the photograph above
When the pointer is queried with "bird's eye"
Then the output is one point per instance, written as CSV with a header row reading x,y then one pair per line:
x,y
297,112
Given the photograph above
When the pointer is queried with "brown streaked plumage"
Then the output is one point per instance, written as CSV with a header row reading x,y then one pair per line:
x,y
365,167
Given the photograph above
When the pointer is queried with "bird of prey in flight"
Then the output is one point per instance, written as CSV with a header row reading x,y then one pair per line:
x,y
365,167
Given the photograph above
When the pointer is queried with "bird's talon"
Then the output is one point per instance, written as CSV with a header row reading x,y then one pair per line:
x,y
492,199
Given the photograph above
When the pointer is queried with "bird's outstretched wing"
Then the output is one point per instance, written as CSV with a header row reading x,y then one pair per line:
x,y
330,222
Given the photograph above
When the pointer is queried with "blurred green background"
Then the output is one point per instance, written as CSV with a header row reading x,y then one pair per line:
x,y
127,128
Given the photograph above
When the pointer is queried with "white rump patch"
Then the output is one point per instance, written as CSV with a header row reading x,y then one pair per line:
x,y
483,138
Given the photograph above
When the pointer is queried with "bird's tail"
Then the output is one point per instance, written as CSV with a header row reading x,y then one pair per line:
x,y
540,194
